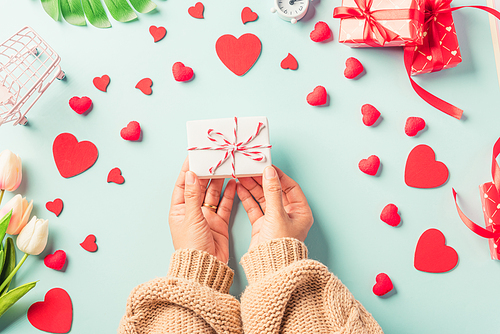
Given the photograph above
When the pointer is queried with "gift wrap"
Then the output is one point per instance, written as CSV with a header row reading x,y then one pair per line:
x,y
490,201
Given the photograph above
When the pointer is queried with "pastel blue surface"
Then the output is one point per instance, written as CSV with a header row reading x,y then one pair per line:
x,y
319,147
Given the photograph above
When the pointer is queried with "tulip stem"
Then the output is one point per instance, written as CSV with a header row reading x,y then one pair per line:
x,y
9,278
1,194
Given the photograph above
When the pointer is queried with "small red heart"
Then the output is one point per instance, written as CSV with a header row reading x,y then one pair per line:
x,y
55,206
132,131
54,314
289,62
55,261
73,157
157,32
370,114
390,215
196,11
318,96
181,72
238,54
369,166
414,125
115,175
89,243
422,170
248,16
321,32
101,83
432,255
353,68
383,285
80,104
145,86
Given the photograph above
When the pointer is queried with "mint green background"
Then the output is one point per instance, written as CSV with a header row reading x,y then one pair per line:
x,y
319,147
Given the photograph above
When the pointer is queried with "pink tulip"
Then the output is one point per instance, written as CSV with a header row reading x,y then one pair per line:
x,y
21,211
10,171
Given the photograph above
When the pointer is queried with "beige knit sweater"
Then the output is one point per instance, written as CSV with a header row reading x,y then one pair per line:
x,y
287,293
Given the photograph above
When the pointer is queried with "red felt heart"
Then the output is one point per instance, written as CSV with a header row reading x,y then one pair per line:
x,y
321,32
196,11
238,54
422,170
248,16
289,62
101,83
369,166
73,157
80,104
132,131
383,284
145,86
370,114
181,72
54,314
317,97
432,255
115,175
55,206
89,243
157,32
390,215
55,261
414,125
353,68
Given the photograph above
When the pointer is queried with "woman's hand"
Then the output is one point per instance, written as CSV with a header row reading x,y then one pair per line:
x,y
275,205
199,227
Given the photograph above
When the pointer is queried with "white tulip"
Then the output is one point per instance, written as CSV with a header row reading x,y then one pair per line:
x,y
33,238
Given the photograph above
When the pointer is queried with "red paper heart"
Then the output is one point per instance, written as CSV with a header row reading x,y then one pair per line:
x,y
196,11
89,243
55,206
390,215
432,255
157,32
145,86
73,157
317,97
289,62
54,314
248,16
414,125
383,286
55,261
115,175
422,170
101,83
80,104
181,72
238,54
321,32
370,114
353,68
369,166
132,131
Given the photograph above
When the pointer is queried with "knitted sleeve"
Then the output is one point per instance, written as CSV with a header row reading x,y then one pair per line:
x,y
192,298
288,293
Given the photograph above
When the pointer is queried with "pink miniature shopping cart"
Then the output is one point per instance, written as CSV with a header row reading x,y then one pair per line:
x,y
26,65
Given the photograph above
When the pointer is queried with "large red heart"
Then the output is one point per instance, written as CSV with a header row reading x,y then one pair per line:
x,y
55,261
115,176
238,54
132,131
289,63
182,73
101,83
55,206
196,11
54,314
80,104
432,255
73,157
89,243
422,170
383,284
248,16
157,32
318,96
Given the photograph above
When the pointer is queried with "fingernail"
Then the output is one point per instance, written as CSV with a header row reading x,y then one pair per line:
x,y
190,179
269,173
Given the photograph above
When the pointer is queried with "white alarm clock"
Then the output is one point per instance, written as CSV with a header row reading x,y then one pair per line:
x,y
290,10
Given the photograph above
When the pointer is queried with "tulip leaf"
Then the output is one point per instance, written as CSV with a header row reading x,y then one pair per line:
x,y
4,224
72,12
52,8
120,10
95,13
2,260
11,297
143,6
9,264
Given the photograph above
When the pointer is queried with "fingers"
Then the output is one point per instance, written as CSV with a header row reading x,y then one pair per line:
x,y
272,192
212,195
291,189
251,207
178,193
192,197
255,189
226,203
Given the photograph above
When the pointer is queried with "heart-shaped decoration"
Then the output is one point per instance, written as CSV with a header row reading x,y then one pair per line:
x,y
383,284
248,16
454,52
55,261
369,166
353,68
80,104
73,157
317,97
321,32
390,215
182,73
54,314
432,255
157,32
145,86
422,170
448,29
425,33
55,206
238,54
370,114
101,83
289,63
414,125
115,176
132,131
196,11
89,243
429,58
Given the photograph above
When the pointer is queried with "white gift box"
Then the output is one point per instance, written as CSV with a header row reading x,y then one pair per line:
x,y
212,146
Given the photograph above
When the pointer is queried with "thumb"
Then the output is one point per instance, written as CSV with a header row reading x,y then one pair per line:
x,y
192,194
272,191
